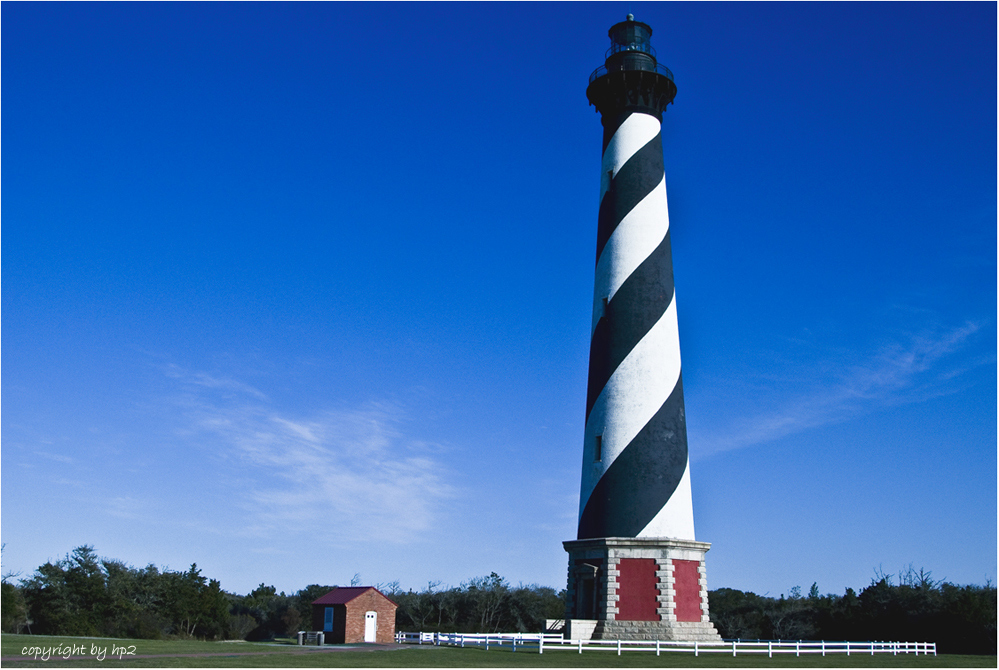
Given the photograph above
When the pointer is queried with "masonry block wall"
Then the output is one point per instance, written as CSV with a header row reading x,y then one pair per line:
x,y
610,598
683,590
702,580
636,580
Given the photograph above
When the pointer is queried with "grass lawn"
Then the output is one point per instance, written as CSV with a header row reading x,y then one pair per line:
x,y
284,654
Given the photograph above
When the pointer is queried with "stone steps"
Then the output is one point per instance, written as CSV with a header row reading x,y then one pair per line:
x,y
688,631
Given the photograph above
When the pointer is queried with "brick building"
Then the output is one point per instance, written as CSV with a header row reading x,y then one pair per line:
x,y
352,614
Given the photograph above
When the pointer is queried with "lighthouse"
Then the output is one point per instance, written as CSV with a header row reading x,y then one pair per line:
x,y
635,569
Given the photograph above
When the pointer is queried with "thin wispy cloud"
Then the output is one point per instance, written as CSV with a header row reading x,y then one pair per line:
x,y
897,366
125,507
898,373
55,457
349,474
212,381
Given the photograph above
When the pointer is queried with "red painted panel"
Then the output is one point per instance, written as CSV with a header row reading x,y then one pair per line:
x,y
688,590
637,588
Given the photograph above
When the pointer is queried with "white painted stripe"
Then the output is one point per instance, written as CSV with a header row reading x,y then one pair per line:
x,y
676,518
632,135
637,236
631,397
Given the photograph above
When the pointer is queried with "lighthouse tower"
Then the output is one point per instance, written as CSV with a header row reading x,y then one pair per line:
x,y
635,570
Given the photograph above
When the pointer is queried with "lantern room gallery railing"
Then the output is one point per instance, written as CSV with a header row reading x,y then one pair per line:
x,y
661,69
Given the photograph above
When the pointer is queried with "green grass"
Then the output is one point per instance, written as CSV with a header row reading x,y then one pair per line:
x,y
285,654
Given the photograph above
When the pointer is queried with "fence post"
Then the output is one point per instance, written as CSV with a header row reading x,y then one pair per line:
x,y
770,648
541,643
695,648
657,648
847,648
619,647
733,647
580,641
797,648
823,647
515,643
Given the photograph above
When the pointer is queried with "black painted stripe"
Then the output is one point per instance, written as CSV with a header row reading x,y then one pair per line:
x,y
638,177
642,478
611,124
636,307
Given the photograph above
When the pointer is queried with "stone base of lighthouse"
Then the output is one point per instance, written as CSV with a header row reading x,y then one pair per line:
x,y
628,588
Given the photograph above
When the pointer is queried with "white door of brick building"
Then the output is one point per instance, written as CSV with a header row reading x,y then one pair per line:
x,y
370,626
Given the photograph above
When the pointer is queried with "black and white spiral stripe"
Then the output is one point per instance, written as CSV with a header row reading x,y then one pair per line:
x,y
636,482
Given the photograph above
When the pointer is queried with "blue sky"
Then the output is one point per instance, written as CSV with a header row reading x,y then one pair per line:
x,y
299,291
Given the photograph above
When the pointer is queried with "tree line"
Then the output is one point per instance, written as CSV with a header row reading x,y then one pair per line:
x,y
85,595
481,605
908,607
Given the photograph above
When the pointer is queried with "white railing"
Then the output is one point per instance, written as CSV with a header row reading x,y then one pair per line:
x,y
553,641
415,638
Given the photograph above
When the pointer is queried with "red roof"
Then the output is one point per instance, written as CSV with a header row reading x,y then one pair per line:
x,y
344,594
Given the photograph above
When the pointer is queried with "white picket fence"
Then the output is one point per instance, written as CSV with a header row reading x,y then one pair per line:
x,y
542,642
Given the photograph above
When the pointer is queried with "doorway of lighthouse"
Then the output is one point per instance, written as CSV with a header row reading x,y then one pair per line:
x,y
587,605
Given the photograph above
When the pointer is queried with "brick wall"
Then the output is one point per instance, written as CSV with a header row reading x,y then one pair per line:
x,y
370,601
